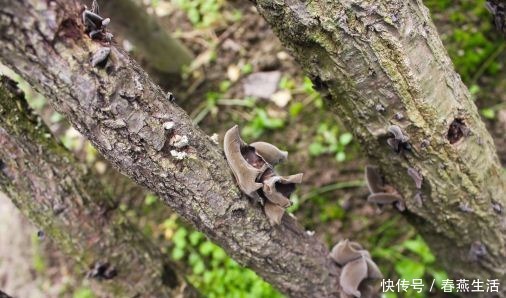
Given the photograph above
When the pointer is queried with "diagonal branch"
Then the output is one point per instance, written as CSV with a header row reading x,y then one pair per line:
x,y
162,52
123,113
45,182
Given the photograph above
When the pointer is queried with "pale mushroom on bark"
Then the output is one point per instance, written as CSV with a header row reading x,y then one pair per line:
x,y
94,24
373,179
345,251
352,275
277,189
274,213
397,133
383,198
381,193
357,266
245,174
253,168
399,140
270,153
416,176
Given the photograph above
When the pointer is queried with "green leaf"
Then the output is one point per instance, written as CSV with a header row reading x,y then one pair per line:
x,y
345,138
419,247
194,15
150,199
179,238
334,212
384,253
194,258
268,122
247,68
225,85
308,86
195,237
340,156
488,113
323,127
296,109
274,123
409,269
208,277
316,149
177,253
206,248
83,293
474,89
295,203
199,267
439,276
219,254
286,83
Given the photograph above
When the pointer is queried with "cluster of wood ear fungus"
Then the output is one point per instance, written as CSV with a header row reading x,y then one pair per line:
x,y
357,266
253,168
381,193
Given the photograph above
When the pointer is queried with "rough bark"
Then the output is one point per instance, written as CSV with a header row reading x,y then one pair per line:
x,y
498,10
123,114
47,184
382,63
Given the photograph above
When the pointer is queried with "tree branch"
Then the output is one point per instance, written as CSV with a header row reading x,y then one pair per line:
x,y
498,10
46,184
162,52
381,63
123,114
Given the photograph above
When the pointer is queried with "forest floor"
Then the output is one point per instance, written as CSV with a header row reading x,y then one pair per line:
x,y
237,56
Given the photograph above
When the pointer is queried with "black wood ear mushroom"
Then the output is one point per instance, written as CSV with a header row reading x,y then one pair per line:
x,y
269,152
246,172
356,264
253,168
381,193
399,141
94,24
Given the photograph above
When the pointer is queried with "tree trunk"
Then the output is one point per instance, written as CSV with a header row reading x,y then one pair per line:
x,y
498,10
45,182
163,53
381,63
123,114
